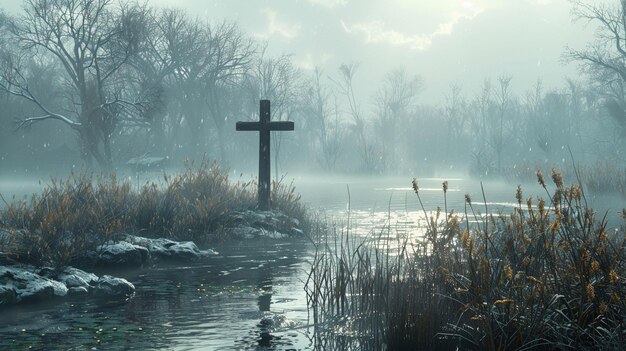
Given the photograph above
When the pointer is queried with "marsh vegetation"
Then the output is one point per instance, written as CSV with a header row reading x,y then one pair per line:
x,y
547,275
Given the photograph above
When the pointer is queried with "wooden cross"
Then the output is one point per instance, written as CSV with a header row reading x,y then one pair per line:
x,y
264,126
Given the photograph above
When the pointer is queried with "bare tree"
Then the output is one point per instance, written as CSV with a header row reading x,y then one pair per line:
x,y
230,54
317,102
364,145
92,40
604,60
455,116
214,60
393,101
276,79
503,98
168,43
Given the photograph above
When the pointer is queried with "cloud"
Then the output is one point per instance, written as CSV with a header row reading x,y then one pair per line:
x,y
276,27
377,31
329,3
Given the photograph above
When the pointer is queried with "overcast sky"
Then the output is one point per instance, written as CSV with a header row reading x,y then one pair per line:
x,y
443,41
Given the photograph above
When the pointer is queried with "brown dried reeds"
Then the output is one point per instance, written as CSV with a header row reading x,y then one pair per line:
x,y
546,276
75,215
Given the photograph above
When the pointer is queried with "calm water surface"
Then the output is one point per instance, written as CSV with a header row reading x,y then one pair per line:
x,y
251,296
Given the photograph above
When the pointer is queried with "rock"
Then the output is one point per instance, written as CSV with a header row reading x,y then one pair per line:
x,y
112,287
122,254
245,232
158,248
27,285
78,291
76,278
185,251
170,250
268,224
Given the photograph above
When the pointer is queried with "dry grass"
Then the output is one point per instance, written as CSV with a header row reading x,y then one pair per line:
x,y
74,215
546,276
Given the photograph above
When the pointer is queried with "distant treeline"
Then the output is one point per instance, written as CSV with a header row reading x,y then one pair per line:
x,y
96,83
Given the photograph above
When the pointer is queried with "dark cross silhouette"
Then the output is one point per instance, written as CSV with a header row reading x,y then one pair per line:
x,y
264,126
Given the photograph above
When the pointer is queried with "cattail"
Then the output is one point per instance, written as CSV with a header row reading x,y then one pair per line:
x,y
445,186
614,277
518,195
415,187
540,178
595,265
468,200
508,272
602,307
556,178
465,238
591,292
503,301
555,225
578,193
615,298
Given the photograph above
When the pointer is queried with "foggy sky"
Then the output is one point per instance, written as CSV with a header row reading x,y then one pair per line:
x,y
443,41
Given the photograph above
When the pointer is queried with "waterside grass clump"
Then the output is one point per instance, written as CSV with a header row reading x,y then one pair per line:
x,y
547,276
75,215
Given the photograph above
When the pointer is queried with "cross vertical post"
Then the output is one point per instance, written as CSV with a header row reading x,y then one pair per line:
x,y
264,156
264,126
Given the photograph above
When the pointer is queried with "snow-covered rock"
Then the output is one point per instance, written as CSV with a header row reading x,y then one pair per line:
x,y
77,291
122,254
112,287
265,224
170,250
28,285
186,250
76,278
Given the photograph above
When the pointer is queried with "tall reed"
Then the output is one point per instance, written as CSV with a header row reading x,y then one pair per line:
x,y
545,276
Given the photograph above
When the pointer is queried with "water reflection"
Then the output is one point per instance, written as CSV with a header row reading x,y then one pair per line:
x,y
265,302
250,298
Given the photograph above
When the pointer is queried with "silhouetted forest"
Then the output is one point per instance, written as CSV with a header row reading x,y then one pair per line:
x,y
94,84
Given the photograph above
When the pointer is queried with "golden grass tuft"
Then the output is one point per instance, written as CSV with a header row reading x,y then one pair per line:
x,y
75,215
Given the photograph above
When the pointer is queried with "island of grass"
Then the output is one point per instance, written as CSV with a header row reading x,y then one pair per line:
x,y
50,243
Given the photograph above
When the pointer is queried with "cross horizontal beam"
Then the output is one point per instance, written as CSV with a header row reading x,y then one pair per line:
x,y
278,126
